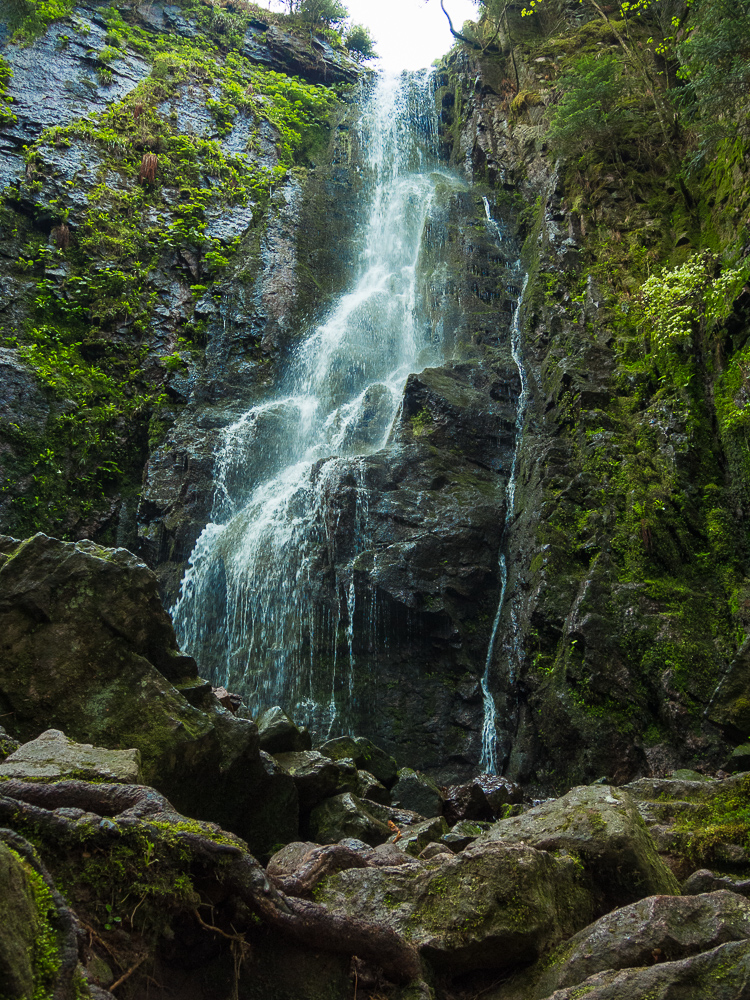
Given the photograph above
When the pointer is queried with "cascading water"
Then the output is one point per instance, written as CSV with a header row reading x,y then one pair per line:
x,y
488,761
247,603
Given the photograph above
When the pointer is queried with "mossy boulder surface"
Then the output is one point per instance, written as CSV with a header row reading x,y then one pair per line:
x,y
87,648
316,777
53,756
418,792
602,826
365,755
344,816
659,928
722,973
490,907
18,919
698,823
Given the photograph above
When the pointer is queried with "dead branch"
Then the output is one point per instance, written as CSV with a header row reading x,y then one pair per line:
x,y
129,973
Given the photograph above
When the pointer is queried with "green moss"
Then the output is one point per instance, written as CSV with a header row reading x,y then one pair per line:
x,y
421,423
46,956
711,824
90,316
6,110
31,18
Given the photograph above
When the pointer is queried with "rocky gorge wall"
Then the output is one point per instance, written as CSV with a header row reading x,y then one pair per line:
x,y
178,207
624,648
145,202
145,314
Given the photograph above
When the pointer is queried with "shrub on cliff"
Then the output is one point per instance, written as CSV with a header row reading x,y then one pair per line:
x,y
591,114
360,44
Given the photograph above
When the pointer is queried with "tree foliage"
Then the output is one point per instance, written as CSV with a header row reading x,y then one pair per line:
x,y
591,113
329,13
360,43
715,57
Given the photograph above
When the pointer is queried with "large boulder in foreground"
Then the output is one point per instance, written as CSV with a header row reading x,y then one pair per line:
x,y
602,826
87,648
656,929
723,973
491,907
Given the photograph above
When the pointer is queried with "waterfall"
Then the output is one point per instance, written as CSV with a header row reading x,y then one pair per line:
x,y
247,604
488,760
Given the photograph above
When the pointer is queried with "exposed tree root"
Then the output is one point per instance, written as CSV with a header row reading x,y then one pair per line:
x,y
69,806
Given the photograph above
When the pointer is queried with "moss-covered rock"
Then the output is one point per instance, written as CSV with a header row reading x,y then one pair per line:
x,y
721,973
20,923
52,756
603,827
413,839
491,907
365,755
344,816
316,777
278,734
85,622
655,929
417,792
698,823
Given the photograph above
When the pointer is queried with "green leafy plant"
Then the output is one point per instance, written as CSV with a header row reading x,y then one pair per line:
x,y
591,114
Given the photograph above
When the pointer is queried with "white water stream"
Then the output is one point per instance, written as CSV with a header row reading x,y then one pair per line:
x,y
247,596
488,761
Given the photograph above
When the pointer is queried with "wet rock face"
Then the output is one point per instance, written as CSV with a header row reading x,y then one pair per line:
x,y
603,598
218,332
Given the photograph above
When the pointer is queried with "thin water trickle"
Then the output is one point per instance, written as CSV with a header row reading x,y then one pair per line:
x,y
248,598
488,760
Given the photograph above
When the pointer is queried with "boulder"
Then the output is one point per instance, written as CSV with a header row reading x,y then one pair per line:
x,y
414,790
601,825
278,734
365,755
697,823
434,850
721,974
52,756
368,787
107,671
344,816
655,929
707,881
413,839
484,797
739,759
491,907
227,699
464,833
19,920
686,774
316,777
288,859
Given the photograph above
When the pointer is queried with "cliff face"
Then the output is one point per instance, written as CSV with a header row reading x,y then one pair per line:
x,y
181,190
145,166
628,590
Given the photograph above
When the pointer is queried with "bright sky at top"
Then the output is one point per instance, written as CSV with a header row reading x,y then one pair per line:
x,y
409,34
